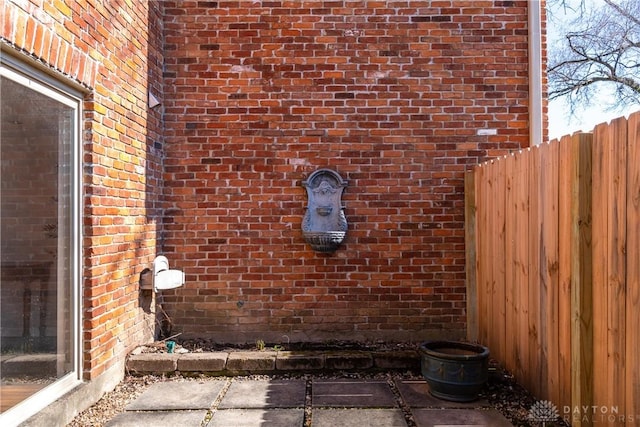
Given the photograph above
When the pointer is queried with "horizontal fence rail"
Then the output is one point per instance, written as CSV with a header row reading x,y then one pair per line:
x,y
553,270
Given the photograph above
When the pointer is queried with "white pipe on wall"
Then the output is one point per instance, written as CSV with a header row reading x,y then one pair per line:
x,y
535,72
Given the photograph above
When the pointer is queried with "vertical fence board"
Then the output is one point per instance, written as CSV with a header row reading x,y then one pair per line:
x,y
544,205
582,367
521,261
487,249
471,259
482,248
498,260
632,387
511,235
490,289
492,337
567,166
483,261
617,263
533,301
600,213
549,269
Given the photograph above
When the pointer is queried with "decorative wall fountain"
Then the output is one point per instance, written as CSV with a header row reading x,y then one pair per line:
x,y
324,225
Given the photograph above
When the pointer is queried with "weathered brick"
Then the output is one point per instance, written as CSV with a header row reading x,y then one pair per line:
x,y
157,363
251,361
348,361
396,359
299,361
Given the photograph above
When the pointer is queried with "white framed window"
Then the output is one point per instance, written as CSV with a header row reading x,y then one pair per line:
x,y
40,239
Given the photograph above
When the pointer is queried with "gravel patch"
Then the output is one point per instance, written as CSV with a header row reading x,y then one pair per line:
x,y
114,402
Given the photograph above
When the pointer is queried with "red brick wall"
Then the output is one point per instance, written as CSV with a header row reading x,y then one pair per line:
x,y
112,48
399,97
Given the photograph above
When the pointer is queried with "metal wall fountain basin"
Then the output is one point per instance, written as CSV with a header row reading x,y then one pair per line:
x,y
324,225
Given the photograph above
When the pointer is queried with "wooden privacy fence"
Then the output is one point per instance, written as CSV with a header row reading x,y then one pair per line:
x,y
553,270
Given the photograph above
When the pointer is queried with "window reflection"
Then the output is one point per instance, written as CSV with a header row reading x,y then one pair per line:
x,y
36,196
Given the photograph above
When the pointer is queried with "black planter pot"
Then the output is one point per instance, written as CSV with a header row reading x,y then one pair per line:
x,y
455,371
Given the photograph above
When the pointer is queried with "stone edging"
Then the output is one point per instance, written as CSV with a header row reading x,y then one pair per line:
x,y
271,362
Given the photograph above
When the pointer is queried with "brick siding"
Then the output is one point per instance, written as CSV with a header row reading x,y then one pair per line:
x,y
399,97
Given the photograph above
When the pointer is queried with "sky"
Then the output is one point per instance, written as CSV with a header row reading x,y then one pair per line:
x,y
560,120
561,123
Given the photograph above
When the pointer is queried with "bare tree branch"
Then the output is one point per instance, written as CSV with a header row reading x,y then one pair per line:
x,y
603,48
623,12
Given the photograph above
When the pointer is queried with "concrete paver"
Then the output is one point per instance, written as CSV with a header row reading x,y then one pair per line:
x,y
257,418
459,418
158,419
416,394
282,403
174,395
352,394
265,394
358,417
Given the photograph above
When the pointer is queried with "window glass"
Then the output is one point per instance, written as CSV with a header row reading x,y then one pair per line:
x,y
39,239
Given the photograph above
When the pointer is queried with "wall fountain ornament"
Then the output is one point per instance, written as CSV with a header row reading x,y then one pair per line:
x,y
324,225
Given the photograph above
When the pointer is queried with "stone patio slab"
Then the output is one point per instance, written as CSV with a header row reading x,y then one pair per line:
x,y
459,418
358,417
257,418
175,395
157,419
352,394
265,394
416,395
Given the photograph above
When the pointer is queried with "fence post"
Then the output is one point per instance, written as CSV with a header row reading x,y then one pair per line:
x,y
581,275
470,248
